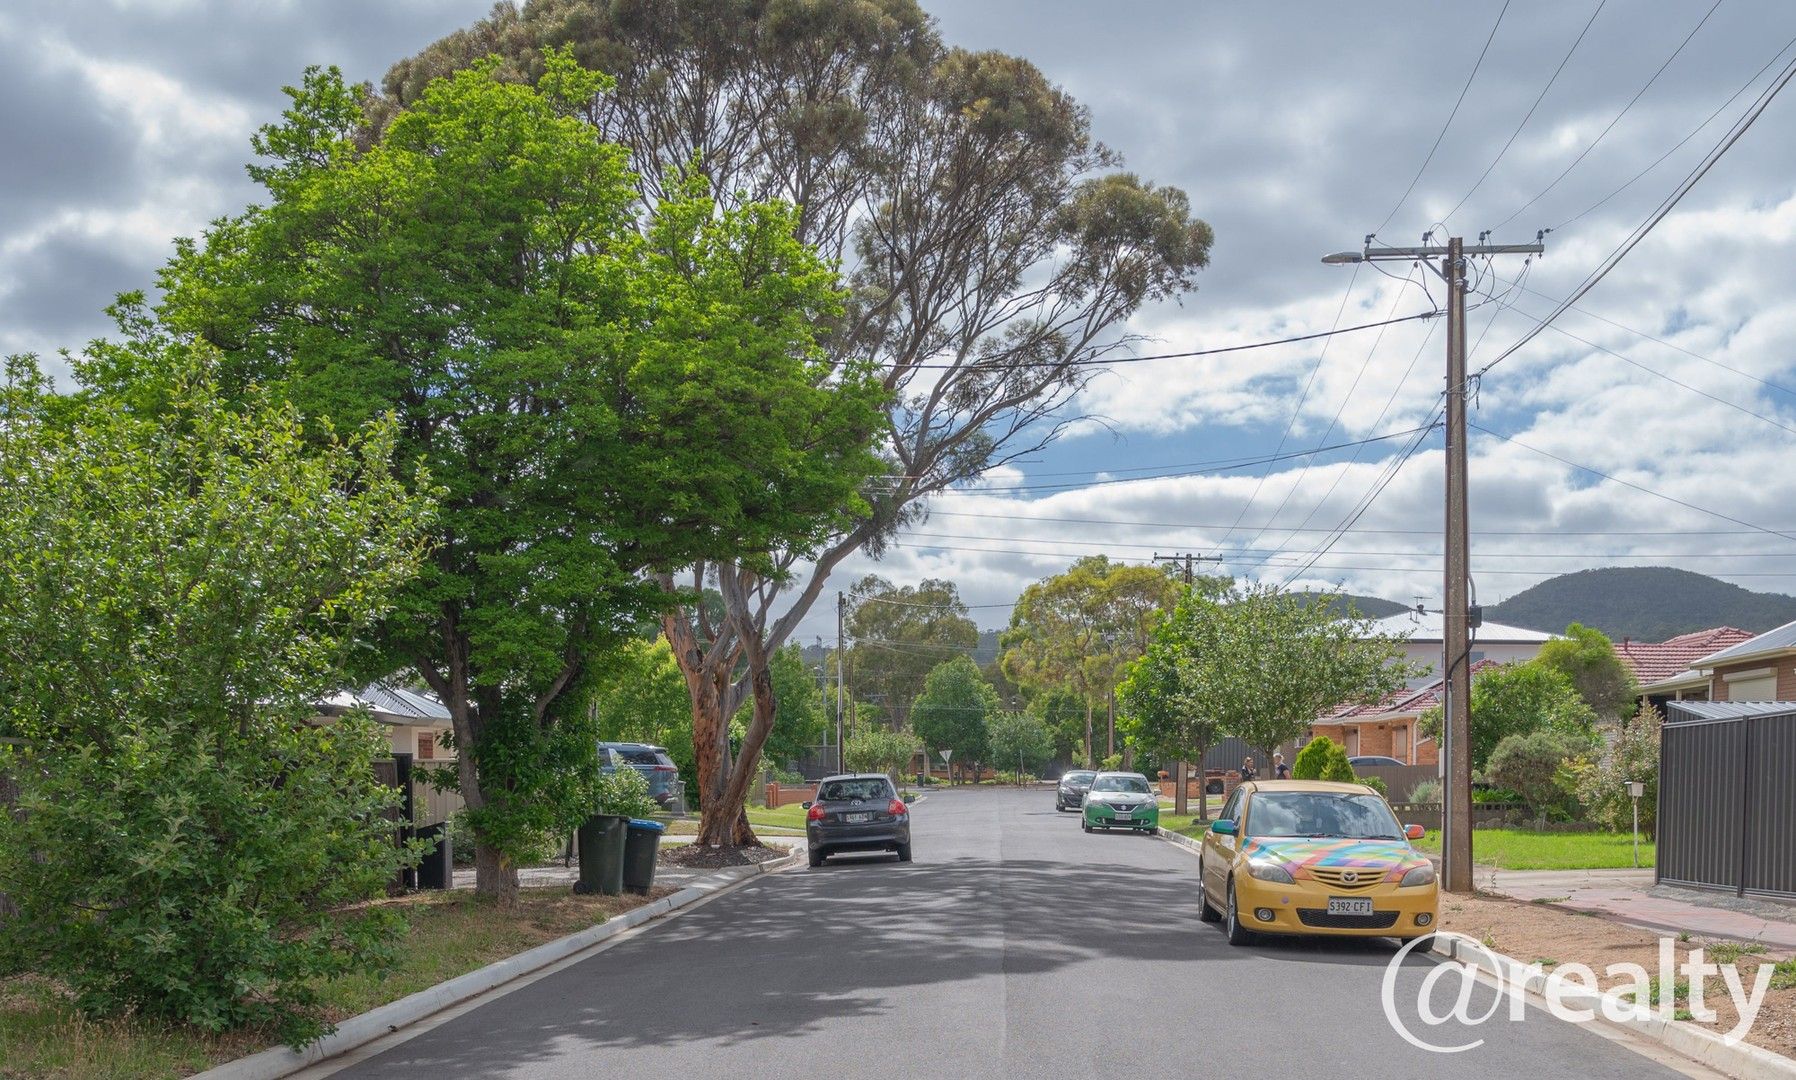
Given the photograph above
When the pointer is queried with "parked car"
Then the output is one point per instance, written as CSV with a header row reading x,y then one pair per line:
x,y
1069,794
1312,857
1120,800
651,761
1372,759
856,812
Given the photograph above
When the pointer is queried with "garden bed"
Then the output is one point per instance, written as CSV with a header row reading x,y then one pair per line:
x,y
43,1036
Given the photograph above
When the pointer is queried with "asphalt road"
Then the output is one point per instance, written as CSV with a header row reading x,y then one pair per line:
x,y
1015,945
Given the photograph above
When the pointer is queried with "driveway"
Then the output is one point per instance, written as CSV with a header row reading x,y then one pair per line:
x,y
1015,945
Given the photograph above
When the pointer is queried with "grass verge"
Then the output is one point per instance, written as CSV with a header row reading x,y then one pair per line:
x,y
42,1037
1523,849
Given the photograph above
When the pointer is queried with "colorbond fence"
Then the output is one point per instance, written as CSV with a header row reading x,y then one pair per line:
x,y
1727,797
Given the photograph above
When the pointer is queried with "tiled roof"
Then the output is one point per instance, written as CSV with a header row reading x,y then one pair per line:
x,y
1406,700
1653,662
1784,637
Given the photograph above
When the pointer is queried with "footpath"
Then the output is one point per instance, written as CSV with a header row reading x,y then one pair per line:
x,y
1629,896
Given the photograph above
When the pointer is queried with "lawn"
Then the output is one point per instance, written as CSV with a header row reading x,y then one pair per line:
x,y
41,1036
1523,849
1187,824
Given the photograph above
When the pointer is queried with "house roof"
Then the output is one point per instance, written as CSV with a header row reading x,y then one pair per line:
x,y
1426,626
1653,662
1688,712
1771,641
1398,702
390,704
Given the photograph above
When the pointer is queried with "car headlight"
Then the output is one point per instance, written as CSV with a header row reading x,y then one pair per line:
x,y
1270,871
1419,875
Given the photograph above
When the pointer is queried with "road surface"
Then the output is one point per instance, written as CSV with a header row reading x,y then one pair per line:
x,y
1014,946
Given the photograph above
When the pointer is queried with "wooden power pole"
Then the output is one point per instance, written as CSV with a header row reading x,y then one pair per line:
x,y
1457,615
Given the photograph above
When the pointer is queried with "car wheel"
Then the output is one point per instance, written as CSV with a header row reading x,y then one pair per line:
x,y
1205,910
816,857
1083,824
904,853
1423,942
1238,934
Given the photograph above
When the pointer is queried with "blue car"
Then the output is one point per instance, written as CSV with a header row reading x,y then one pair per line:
x,y
654,765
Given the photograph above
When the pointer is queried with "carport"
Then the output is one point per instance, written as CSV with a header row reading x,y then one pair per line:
x,y
1727,797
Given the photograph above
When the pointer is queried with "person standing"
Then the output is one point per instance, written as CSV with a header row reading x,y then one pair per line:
x,y
1247,771
1280,771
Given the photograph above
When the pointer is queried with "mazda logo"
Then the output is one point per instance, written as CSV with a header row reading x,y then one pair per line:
x,y
1350,877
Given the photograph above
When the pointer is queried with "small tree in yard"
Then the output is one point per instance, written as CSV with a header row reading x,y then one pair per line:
x,y
1531,765
179,582
1519,699
1631,755
1322,759
878,749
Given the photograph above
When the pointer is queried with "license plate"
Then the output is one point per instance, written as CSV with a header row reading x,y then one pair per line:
x,y
856,819
1349,905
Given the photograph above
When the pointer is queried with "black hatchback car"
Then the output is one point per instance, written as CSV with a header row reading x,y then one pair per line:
x,y
858,812
1069,794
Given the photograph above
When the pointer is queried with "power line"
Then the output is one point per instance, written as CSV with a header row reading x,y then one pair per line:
x,y
1530,114
1366,531
1601,135
1679,145
1457,102
1636,487
1641,231
1533,554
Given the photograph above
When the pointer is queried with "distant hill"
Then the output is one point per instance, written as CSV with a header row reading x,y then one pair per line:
x,y
1369,607
1646,603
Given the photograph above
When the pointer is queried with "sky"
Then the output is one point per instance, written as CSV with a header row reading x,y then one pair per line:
x,y
1296,129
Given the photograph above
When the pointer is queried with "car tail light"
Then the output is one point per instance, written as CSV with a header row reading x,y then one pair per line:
x,y
897,808
816,812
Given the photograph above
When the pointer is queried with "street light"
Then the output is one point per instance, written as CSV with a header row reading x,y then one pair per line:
x,y
1343,258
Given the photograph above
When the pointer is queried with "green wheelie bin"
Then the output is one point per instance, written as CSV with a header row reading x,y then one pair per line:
x,y
601,841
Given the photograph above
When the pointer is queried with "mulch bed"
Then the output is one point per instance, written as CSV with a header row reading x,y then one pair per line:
x,y
710,858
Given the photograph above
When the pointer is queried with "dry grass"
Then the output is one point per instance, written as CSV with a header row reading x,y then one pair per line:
x,y
43,1038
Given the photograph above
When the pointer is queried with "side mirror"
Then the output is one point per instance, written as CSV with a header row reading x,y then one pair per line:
x,y
804,805
1414,832
1223,827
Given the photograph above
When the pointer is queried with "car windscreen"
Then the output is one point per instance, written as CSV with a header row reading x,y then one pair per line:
x,y
875,787
1134,784
1077,778
1321,813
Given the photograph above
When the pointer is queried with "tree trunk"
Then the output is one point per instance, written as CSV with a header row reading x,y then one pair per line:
x,y
495,876
725,822
1091,761
1203,783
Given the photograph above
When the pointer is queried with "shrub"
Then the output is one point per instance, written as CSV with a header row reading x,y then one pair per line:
x,y
1322,759
624,792
1112,763
1530,765
1425,791
877,749
1376,783
1602,784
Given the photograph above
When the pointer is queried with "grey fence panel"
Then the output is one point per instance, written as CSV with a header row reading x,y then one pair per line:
x,y
1399,779
1702,803
1771,784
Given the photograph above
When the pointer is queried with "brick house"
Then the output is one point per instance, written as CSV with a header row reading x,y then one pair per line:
x,y
1663,668
1388,728
1761,668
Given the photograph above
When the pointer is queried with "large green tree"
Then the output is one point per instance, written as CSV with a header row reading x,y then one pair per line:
x,y
1520,699
993,249
1081,628
1160,700
952,711
1587,659
180,583
1259,664
898,633
599,392
1018,740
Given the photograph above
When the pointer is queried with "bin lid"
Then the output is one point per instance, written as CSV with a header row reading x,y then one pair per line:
x,y
646,825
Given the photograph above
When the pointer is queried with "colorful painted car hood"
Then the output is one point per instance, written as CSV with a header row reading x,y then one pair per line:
x,y
1300,855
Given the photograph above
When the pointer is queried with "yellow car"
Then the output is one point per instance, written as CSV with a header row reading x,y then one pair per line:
x,y
1310,857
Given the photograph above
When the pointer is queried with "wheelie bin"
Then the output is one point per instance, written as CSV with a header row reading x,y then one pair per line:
x,y
601,842
641,843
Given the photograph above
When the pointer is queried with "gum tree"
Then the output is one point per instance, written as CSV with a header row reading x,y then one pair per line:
x,y
993,250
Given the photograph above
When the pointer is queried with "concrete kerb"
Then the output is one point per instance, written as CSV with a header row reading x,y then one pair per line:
x,y
1704,1047
1700,1045
377,1023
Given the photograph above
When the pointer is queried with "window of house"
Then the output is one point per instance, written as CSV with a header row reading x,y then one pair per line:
x,y
1760,689
427,746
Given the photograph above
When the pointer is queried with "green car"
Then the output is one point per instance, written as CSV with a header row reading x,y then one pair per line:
x,y
1120,800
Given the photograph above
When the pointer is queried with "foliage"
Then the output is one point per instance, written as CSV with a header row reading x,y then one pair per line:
x,y
1587,659
598,392
1425,791
639,695
1376,783
1323,759
1019,738
798,719
1080,629
877,749
1111,763
179,582
898,633
625,792
1530,766
1519,699
952,711
1063,714
1631,754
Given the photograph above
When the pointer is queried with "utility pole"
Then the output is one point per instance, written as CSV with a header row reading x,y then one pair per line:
x,y
1181,770
841,666
1457,616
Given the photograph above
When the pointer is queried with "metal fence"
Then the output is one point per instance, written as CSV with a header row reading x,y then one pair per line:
x,y
1727,797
